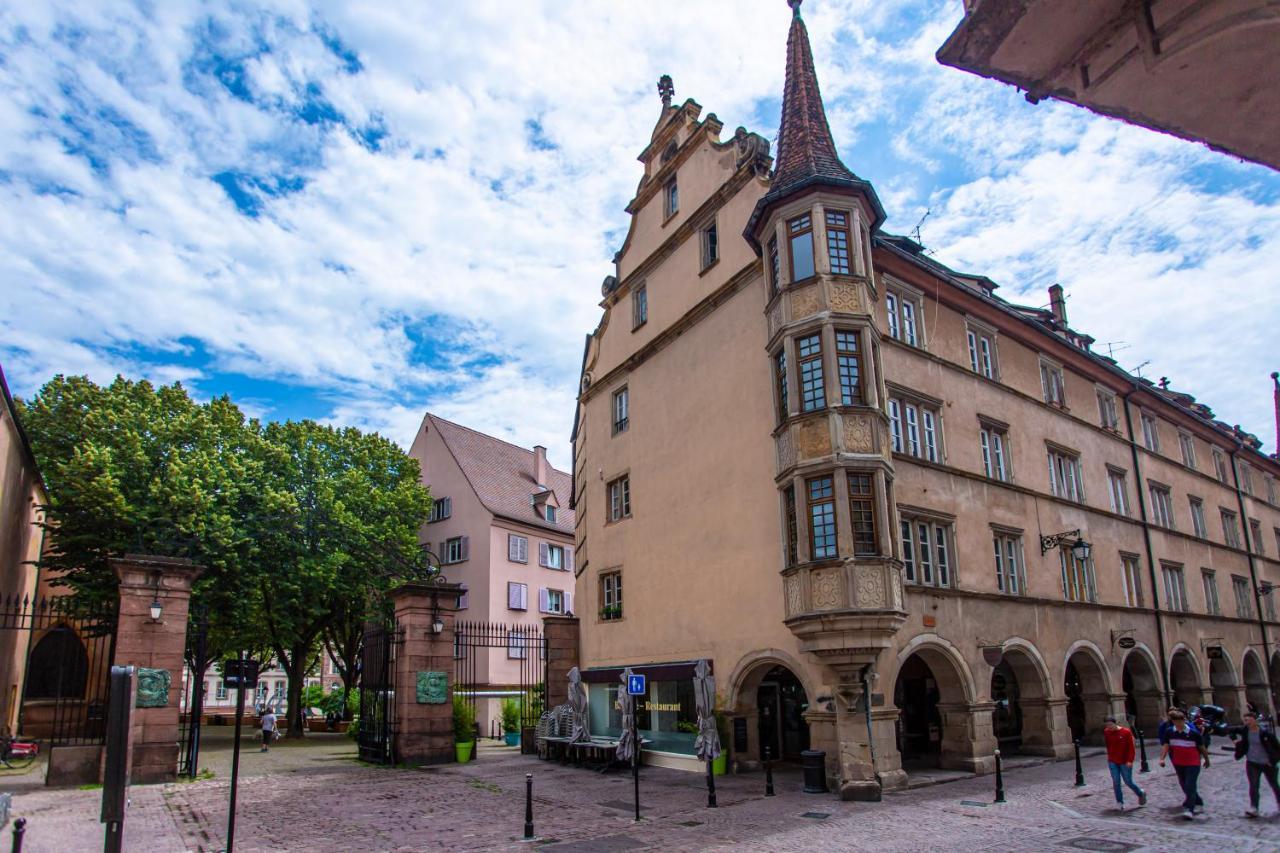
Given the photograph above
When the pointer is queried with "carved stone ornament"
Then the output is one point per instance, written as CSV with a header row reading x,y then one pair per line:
x,y
859,436
775,317
753,149
870,588
805,302
896,586
153,687
433,688
845,298
814,438
786,450
828,589
791,586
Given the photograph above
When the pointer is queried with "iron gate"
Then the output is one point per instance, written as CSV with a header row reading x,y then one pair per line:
x,y
68,647
377,694
191,710
495,662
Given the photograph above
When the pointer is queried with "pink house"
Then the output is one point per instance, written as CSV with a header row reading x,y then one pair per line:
x,y
501,525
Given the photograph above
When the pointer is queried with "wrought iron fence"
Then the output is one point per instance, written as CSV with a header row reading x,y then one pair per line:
x,y
376,731
496,661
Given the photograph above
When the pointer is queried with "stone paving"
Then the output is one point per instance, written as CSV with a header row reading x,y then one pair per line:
x,y
315,796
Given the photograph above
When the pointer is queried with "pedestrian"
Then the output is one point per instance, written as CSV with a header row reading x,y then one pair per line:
x,y
1185,746
1120,754
1261,752
1167,723
268,729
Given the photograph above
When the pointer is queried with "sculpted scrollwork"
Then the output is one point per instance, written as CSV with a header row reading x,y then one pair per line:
x,y
805,302
828,588
870,588
814,438
859,437
791,587
786,451
845,298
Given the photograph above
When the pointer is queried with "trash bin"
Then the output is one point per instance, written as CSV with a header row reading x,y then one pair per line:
x,y
814,762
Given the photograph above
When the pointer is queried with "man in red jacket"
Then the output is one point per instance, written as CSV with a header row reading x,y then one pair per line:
x,y
1120,753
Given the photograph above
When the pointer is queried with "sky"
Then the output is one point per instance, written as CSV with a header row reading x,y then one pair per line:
x,y
360,212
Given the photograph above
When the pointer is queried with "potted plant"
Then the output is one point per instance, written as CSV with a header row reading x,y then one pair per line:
x,y
720,765
511,722
464,728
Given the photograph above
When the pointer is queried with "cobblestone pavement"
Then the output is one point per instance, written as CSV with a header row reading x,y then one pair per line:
x,y
314,796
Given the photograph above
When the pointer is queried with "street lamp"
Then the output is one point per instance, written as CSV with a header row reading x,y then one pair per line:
x,y
156,609
1072,539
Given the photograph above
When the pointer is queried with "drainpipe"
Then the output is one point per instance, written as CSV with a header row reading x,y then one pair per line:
x,y
1151,560
1249,545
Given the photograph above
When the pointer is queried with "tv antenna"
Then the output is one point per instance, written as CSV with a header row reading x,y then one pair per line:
x,y
915,232
1138,369
1114,347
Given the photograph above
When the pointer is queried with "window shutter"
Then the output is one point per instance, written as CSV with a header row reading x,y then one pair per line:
x,y
568,559
542,553
544,600
568,603
513,596
524,596
466,548
513,547
524,549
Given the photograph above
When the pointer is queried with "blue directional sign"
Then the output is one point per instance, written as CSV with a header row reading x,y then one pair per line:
x,y
635,685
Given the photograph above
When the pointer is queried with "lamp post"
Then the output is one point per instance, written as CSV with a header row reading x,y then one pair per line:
x,y
1072,539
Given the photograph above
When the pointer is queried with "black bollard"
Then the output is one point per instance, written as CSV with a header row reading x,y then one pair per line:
x,y
1079,767
1142,750
999,779
768,774
711,786
19,830
528,806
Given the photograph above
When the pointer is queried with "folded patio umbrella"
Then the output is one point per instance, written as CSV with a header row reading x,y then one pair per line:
x,y
707,744
578,701
627,704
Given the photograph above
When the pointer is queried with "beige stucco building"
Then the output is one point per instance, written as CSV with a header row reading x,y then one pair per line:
x,y
22,493
501,526
1200,70
811,454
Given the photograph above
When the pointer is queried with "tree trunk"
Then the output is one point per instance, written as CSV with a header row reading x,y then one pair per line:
x,y
297,673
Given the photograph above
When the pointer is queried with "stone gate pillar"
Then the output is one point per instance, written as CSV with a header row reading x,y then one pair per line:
x,y
561,633
423,731
155,647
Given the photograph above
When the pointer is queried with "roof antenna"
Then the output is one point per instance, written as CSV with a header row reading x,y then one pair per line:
x,y
1138,369
915,232
1114,347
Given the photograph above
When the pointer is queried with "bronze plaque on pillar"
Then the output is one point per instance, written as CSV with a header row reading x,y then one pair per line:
x,y
153,687
433,688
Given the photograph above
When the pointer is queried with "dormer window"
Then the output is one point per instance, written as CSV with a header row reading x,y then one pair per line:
x,y
800,235
551,513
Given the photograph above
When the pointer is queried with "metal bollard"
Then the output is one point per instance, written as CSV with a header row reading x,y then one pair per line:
x,y
528,806
768,774
19,830
1142,750
1079,767
999,779
711,786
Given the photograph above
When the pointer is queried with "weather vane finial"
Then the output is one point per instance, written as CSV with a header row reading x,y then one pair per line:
x,y
795,7
666,89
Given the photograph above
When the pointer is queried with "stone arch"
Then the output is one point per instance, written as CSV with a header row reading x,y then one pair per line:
x,y
1255,681
1186,678
1143,695
934,694
1025,716
1087,684
785,687
1273,676
1224,685
58,667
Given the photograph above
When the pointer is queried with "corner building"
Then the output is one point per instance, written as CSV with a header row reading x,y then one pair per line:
x,y
839,470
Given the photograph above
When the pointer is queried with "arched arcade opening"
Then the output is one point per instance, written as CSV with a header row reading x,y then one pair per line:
x,y
1020,690
773,701
1184,679
1255,682
933,695
1222,682
1086,685
1143,698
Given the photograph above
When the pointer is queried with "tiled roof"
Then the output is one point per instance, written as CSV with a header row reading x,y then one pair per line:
x,y
502,475
805,147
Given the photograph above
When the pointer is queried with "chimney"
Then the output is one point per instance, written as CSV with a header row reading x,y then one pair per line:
x,y
1058,305
540,465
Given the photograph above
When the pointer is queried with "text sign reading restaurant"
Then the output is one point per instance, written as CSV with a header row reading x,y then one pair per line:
x,y
658,706
635,685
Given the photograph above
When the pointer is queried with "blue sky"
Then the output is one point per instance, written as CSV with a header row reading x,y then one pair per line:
x,y
359,214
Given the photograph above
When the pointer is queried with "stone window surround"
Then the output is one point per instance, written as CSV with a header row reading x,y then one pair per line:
x,y
921,401
979,329
830,369
1102,392
903,292
1004,531
608,498
918,514
1071,454
612,571
1053,366
988,424
886,527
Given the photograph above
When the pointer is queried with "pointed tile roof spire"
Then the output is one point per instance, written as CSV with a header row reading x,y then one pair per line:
x,y
805,146
806,152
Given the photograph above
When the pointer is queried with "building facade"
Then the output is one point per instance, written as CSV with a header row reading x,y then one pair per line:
x,y
862,485
22,493
500,525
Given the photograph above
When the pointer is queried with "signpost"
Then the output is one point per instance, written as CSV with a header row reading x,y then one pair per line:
x,y
241,674
1126,642
635,689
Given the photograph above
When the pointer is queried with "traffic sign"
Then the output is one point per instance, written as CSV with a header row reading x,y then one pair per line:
x,y
635,685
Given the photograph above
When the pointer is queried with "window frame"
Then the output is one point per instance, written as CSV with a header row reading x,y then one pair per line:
x,y
521,548
608,591
1161,499
1008,549
1118,489
783,400
1255,538
1053,383
1209,580
826,502
1069,488
670,198
862,513
1244,599
621,410
903,309
1220,469
1175,580
811,373
639,306
1131,577
797,230
916,425
1199,527
619,497
441,509
1230,527
836,229
1187,444
522,601
937,544
1150,430
791,525
1108,411
1079,583
448,547
709,240
775,265
845,357
993,442
981,344
556,557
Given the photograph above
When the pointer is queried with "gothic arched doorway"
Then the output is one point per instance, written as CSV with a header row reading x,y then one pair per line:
x,y
781,702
